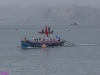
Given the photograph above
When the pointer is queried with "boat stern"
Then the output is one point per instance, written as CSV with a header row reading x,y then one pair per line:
x,y
24,45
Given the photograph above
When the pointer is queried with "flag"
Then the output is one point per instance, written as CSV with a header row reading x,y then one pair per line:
x,y
58,37
46,31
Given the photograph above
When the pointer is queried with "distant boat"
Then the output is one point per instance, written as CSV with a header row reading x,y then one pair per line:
x,y
43,32
74,24
2,19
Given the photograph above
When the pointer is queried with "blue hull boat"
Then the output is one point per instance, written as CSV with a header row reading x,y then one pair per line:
x,y
51,43
28,44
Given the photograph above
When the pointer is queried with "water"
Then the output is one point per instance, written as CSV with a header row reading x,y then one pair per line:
x,y
82,59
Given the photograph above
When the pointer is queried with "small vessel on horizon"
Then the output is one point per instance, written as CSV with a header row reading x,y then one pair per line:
x,y
74,24
2,19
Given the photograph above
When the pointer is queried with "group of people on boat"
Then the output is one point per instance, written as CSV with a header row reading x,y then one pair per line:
x,y
48,30
42,41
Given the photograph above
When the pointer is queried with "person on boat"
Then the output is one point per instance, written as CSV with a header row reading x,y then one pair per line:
x,y
75,23
39,41
34,40
49,29
46,40
54,41
58,38
24,39
43,41
43,30
50,41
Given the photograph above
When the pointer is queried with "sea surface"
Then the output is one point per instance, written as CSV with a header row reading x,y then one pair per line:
x,y
82,59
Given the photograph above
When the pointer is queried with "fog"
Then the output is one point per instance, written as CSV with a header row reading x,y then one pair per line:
x,y
51,2
29,10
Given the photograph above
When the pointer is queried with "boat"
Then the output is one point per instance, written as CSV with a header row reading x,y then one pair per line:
x,y
74,24
26,43
30,44
44,32
2,19
49,32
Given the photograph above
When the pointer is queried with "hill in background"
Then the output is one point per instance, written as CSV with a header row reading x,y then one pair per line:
x,y
44,12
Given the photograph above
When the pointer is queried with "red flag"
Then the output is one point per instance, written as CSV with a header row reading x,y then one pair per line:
x,y
46,31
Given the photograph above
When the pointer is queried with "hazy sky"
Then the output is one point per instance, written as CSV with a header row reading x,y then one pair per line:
x,y
53,2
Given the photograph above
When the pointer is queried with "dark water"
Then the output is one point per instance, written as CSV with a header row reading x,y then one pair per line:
x,y
82,59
